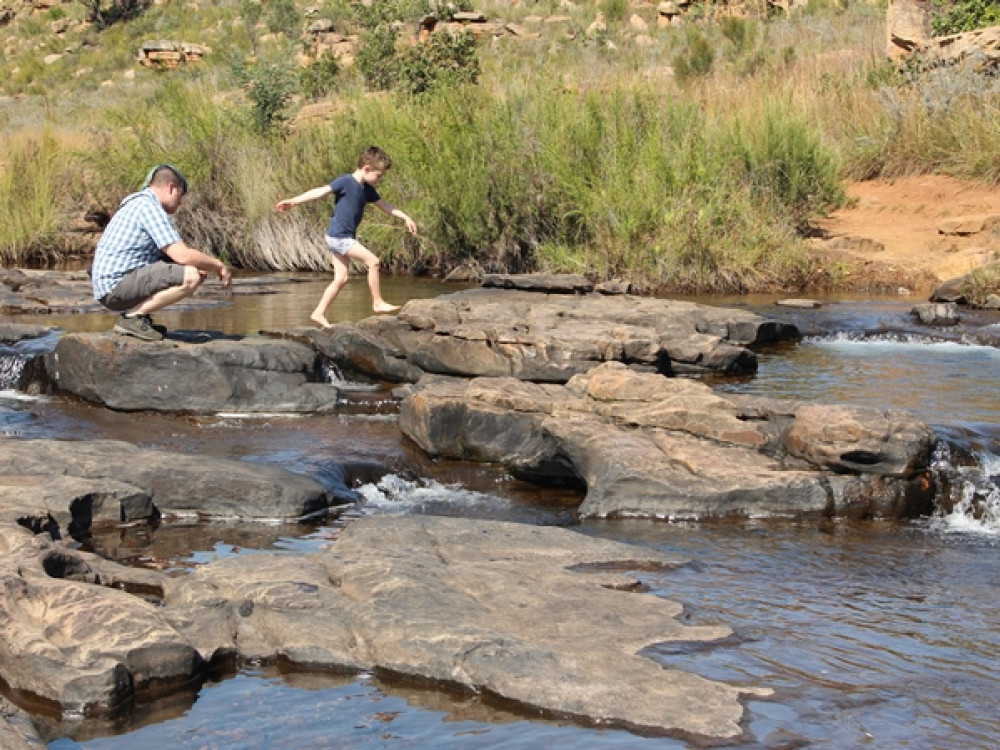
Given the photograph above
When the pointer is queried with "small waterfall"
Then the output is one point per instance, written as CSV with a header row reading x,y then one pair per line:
x,y
969,498
12,366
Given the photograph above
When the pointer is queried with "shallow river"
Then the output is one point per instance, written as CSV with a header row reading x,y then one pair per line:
x,y
881,635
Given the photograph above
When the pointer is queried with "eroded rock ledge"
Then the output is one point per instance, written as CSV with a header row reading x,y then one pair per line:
x,y
648,446
485,605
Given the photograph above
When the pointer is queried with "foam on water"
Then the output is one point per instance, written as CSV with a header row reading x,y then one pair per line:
x,y
858,342
976,497
394,494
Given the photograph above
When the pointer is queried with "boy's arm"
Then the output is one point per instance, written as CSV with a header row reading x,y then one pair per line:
x,y
411,225
308,195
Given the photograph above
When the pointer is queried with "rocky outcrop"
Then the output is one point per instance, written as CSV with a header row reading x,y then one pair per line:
x,y
649,446
217,374
531,615
547,337
908,26
168,55
76,485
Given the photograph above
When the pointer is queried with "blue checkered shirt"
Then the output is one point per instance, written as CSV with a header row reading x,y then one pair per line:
x,y
137,233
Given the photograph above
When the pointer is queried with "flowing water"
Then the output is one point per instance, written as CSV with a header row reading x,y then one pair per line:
x,y
880,635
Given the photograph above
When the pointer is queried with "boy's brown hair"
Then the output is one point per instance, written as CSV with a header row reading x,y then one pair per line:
x,y
375,158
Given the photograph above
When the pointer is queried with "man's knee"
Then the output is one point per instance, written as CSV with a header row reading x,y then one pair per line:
x,y
193,278
373,264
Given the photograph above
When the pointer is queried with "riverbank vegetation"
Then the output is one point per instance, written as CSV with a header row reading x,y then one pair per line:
x,y
689,157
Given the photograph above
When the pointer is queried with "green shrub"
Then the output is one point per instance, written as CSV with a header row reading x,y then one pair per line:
x,y
283,17
956,16
377,56
104,13
614,10
269,85
444,59
981,283
697,59
319,79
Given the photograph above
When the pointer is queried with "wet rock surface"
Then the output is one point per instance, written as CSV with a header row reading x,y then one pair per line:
x,y
80,483
202,374
645,445
533,615
545,337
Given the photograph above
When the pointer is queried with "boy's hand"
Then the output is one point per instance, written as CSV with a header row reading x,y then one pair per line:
x,y
282,206
411,225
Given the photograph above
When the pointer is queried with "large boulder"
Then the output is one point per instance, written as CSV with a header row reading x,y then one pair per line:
x,y
645,445
547,337
77,484
252,374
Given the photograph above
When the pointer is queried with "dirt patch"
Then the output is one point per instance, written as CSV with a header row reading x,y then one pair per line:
x,y
912,232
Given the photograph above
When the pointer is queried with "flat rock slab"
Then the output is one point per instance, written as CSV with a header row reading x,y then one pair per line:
x,y
218,374
534,615
645,445
80,484
485,605
547,337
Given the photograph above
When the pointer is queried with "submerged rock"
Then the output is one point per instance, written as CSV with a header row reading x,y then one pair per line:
x,y
547,337
645,445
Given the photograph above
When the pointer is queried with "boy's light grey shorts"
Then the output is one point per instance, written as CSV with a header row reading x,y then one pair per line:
x,y
340,245
139,285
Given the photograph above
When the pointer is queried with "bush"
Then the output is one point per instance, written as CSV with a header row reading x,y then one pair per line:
x,y
103,14
269,87
698,58
444,59
283,17
956,16
319,79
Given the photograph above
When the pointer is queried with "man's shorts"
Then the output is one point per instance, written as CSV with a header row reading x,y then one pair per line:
x,y
340,245
139,285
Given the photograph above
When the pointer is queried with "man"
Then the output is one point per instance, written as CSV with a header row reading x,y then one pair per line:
x,y
130,274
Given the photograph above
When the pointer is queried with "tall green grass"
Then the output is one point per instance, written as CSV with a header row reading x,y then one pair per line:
x,y
570,154
35,188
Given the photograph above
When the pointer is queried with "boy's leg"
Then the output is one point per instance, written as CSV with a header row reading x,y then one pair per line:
x,y
340,275
362,254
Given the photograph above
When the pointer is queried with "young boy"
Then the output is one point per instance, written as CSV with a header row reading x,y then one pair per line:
x,y
352,192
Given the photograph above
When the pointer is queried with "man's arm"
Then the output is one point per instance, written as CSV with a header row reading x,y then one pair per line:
x,y
411,225
179,252
308,195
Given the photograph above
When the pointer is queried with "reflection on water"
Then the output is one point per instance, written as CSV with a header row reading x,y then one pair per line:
x,y
942,382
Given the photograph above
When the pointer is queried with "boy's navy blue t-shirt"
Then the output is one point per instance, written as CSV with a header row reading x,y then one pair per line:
x,y
351,198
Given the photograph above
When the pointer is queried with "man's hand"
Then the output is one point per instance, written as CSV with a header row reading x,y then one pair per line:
x,y
226,277
411,225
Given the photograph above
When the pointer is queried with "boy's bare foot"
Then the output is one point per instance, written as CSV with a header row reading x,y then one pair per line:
x,y
320,320
385,307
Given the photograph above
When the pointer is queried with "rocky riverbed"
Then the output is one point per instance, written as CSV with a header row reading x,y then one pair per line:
x,y
579,389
